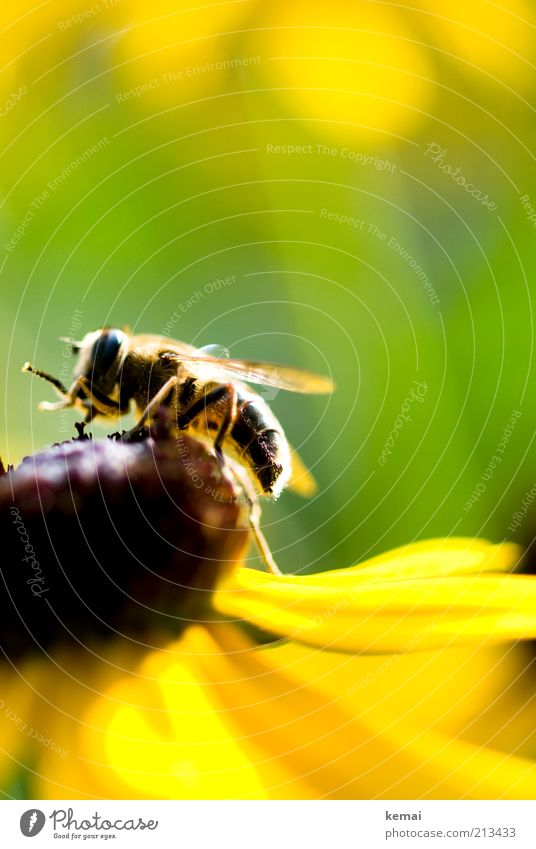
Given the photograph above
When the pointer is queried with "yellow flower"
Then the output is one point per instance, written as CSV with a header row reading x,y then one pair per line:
x,y
485,40
392,679
351,73
370,72
350,70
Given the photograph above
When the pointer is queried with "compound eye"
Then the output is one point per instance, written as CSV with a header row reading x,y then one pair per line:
x,y
105,352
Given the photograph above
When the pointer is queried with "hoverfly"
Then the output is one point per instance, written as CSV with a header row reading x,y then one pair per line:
x,y
205,395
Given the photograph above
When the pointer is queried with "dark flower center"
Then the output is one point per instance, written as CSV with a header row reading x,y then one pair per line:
x,y
106,538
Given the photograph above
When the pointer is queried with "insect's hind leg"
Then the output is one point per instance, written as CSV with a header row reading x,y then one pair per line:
x,y
260,539
228,392
254,521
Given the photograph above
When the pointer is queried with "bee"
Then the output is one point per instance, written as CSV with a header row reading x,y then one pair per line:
x,y
205,396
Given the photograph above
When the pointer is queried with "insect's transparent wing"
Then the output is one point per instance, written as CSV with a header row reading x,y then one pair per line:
x,y
269,374
219,352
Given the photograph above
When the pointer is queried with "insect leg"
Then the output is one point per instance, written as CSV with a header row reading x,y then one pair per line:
x,y
225,391
254,521
201,404
154,404
69,395
228,419
57,384
100,403
90,415
260,539
213,397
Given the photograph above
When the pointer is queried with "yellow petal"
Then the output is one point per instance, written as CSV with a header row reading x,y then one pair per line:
x,y
413,598
157,735
214,717
348,746
350,70
432,558
443,767
491,40
48,697
182,52
17,706
508,721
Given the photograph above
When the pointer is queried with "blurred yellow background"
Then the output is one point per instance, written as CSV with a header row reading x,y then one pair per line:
x,y
346,187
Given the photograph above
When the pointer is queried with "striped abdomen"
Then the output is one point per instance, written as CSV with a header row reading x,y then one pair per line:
x,y
256,440
261,443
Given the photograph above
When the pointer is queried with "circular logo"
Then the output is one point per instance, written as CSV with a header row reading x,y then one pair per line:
x,y
31,822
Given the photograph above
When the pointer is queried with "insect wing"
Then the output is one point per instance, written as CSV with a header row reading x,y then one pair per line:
x,y
219,352
269,374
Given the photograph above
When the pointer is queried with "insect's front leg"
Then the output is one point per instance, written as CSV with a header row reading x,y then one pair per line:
x,y
57,384
69,396
100,403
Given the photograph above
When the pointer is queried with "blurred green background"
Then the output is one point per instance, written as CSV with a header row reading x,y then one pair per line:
x,y
365,176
